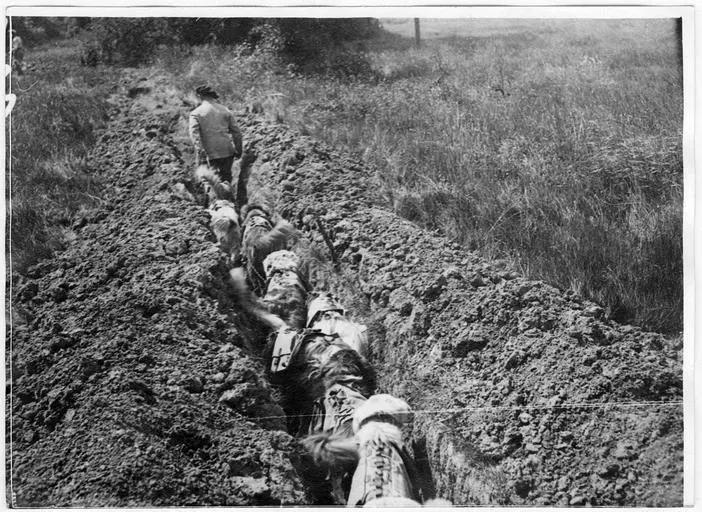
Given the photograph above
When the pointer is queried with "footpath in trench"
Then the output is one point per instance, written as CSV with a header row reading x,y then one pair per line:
x,y
131,385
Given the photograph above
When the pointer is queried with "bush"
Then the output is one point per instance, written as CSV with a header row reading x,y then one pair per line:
x,y
195,31
37,30
304,39
129,41
298,40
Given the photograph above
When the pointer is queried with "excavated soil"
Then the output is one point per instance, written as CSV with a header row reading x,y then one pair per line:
x,y
124,344
132,386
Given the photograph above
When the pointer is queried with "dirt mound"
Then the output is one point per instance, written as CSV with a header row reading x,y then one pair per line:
x,y
525,394
130,384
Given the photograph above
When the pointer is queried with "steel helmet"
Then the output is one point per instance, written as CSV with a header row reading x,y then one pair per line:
x,y
320,304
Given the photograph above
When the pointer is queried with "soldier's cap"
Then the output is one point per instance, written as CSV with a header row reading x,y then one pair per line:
x,y
206,91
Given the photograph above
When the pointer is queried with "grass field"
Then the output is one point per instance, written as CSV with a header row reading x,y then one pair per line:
x,y
59,106
554,143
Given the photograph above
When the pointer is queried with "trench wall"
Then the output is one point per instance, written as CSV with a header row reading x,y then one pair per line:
x,y
524,394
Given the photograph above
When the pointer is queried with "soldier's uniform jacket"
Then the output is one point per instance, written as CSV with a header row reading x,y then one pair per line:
x,y
212,127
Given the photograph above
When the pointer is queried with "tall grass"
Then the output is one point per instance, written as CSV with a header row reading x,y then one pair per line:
x,y
554,143
53,125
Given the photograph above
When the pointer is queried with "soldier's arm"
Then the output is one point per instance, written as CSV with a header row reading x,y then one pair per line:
x,y
194,131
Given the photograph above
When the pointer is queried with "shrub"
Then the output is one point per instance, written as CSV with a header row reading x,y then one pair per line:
x,y
299,40
130,41
37,30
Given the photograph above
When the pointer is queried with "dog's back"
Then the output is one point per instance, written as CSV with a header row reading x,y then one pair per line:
x,y
225,226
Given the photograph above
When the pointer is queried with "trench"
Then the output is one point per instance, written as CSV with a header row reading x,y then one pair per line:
x,y
323,272
523,394
448,466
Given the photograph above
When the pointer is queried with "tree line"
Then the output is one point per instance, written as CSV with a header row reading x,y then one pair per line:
x,y
132,41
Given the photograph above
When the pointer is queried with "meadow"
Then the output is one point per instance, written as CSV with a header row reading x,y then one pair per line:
x,y
555,144
60,106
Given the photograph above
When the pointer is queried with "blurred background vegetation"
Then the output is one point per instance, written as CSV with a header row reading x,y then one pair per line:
x,y
555,144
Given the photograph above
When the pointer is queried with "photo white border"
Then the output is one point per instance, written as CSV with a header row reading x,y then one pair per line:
x,y
692,78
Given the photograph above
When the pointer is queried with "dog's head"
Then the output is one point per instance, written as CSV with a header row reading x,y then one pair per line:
x,y
224,206
382,408
280,261
224,215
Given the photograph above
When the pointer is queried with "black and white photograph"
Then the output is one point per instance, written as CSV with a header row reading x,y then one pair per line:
x,y
348,257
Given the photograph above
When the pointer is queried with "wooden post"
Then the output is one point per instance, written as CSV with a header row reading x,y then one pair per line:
x,y
416,32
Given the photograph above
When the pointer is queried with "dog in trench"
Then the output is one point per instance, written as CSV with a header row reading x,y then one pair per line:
x,y
223,205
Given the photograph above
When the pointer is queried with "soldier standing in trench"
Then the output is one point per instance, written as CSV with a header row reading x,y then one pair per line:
x,y
217,138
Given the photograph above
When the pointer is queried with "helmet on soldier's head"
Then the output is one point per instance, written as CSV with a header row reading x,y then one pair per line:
x,y
320,304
